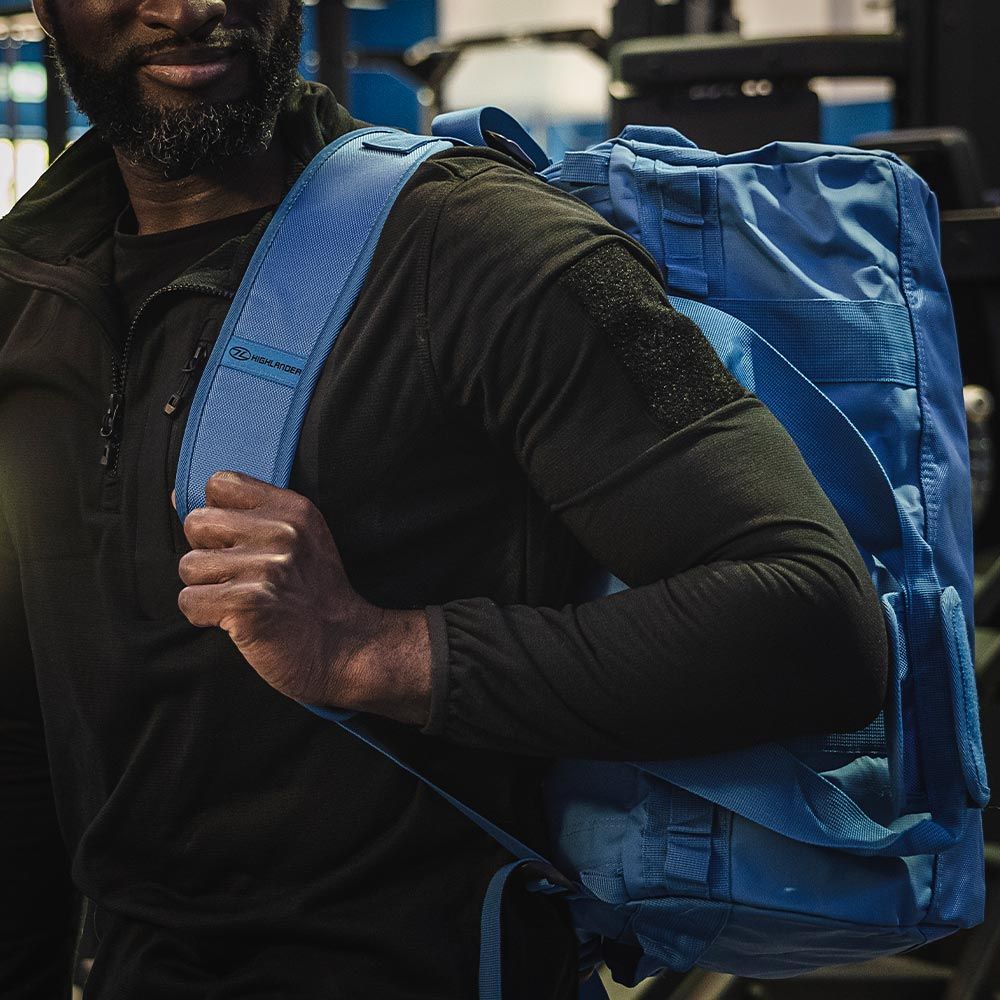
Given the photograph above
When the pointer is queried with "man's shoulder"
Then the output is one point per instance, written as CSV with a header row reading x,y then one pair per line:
x,y
483,208
480,181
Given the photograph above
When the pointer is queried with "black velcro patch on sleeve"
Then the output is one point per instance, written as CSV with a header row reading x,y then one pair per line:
x,y
665,354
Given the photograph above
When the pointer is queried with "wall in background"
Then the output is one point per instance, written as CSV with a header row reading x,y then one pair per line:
x,y
849,107
384,95
810,17
560,92
565,90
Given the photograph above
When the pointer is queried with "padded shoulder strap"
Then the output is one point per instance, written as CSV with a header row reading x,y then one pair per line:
x,y
296,296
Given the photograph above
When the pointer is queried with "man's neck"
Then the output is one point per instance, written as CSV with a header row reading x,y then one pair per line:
x,y
240,185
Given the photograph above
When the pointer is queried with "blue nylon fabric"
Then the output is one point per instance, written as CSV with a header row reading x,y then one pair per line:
x,y
824,261
963,691
832,255
770,870
811,230
944,448
766,943
852,477
868,341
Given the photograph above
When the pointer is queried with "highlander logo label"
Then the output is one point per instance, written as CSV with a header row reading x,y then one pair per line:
x,y
265,362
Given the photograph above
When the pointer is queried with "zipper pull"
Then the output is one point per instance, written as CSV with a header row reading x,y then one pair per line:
x,y
109,425
110,420
194,363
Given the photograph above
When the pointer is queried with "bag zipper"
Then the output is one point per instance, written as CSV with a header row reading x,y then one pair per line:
x,y
111,424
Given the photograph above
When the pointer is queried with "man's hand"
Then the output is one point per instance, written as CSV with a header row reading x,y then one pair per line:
x,y
265,568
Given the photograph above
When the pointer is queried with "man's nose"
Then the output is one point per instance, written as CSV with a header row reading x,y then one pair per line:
x,y
186,18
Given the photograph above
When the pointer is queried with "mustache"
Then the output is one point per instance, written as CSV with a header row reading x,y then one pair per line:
x,y
229,40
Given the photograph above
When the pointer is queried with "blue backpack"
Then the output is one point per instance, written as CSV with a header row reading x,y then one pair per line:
x,y
814,272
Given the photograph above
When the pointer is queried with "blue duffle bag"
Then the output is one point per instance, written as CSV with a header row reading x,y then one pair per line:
x,y
814,272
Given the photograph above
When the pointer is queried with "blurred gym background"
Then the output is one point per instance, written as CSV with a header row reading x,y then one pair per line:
x,y
916,76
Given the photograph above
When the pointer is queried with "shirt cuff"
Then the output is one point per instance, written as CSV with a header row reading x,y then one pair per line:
x,y
437,628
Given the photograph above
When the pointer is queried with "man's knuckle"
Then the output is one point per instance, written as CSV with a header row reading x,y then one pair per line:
x,y
194,522
289,533
185,601
191,564
277,568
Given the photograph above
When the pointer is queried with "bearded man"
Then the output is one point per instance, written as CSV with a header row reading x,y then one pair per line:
x,y
512,401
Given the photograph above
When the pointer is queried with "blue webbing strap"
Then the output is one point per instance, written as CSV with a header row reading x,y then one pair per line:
x,y
248,410
491,952
490,947
550,879
835,451
356,726
852,476
484,126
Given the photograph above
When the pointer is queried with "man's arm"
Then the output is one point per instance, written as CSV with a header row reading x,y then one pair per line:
x,y
37,902
752,617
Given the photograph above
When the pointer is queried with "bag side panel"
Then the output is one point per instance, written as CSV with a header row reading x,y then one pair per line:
x,y
766,944
944,451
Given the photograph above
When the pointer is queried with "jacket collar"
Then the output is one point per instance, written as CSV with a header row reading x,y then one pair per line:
x,y
71,210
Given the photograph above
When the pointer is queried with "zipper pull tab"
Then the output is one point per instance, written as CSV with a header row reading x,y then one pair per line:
x,y
110,421
194,363
109,426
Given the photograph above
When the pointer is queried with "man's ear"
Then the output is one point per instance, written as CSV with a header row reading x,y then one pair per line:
x,y
41,8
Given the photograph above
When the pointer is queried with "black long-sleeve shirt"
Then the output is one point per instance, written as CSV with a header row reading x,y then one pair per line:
x,y
512,403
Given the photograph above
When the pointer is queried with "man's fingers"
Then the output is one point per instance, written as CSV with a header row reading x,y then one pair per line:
x,y
206,566
238,491
211,528
204,606
216,528
224,604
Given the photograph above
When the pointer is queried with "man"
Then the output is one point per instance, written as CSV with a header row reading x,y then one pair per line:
x,y
512,402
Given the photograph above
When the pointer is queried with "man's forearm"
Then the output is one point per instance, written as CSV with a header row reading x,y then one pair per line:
x,y
722,656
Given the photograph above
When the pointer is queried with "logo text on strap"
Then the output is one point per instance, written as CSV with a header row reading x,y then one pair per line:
x,y
263,361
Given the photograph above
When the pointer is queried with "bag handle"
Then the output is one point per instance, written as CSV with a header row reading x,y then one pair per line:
x,y
491,127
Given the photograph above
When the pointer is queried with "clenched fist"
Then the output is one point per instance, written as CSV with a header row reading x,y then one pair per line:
x,y
264,567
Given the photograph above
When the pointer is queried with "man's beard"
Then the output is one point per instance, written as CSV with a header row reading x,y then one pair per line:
x,y
182,140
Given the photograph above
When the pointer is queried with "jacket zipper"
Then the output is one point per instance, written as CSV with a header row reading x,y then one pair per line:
x,y
111,424
188,372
